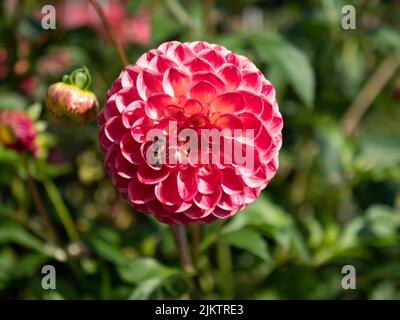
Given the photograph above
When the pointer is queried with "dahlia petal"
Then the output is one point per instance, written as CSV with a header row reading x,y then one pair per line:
x,y
176,82
231,182
218,84
140,193
124,168
198,64
187,183
223,214
140,128
263,140
253,103
208,201
167,190
155,105
147,84
230,202
109,159
195,212
104,141
114,129
256,180
133,112
214,57
124,97
145,58
209,183
229,122
230,75
161,63
120,183
250,122
111,109
129,76
203,92
166,45
148,175
251,81
179,207
228,103
130,149
198,46
192,107
180,52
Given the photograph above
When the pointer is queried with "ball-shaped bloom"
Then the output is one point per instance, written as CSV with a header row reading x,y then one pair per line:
x,y
177,125
17,131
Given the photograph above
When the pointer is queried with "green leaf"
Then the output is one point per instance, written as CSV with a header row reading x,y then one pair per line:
x,y
142,269
248,240
145,289
275,50
15,233
108,252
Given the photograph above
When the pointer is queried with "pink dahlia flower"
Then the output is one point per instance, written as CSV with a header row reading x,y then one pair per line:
x,y
17,131
176,95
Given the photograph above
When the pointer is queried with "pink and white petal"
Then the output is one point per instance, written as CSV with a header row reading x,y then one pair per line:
x,y
195,212
133,111
180,52
140,128
230,202
125,97
231,182
209,183
121,184
250,122
148,83
130,149
156,104
176,82
230,75
114,129
140,193
223,214
208,201
167,190
179,207
198,64
256,180
203,92
109,159
198,46
124,168
148,175
218,84
161,63
187,183
253,102
129,76
216,58
228,103
251,81
104,142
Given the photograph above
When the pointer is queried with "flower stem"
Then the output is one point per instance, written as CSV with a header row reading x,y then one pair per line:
x,y
61,209
117,45
40,208
182,246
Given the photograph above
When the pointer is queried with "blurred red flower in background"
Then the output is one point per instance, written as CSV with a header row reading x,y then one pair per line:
x,y
198,86
128,29
17,131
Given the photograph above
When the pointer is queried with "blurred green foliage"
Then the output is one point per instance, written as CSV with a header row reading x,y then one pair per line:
x,y
335,200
